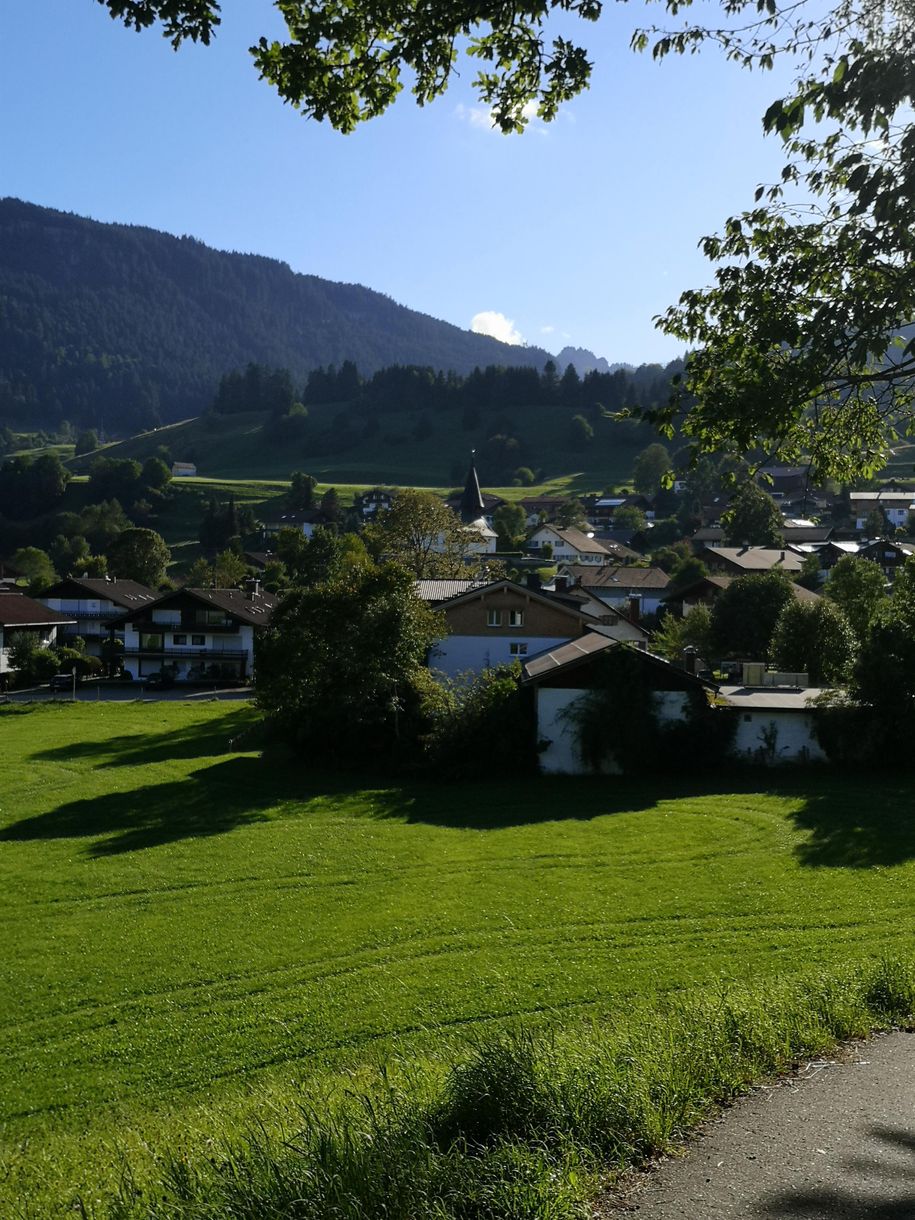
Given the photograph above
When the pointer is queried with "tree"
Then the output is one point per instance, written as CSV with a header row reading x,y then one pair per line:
x,y
155,475
322,557
570,514
628,517
36,565
651,465
141,555
675,635
753,519
814,638
86,442
581,434
301,495
858,587
229,569
745,613
30,659
339,668
510,523
420,532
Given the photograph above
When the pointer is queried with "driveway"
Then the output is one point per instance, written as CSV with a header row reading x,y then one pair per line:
x,y
835,1142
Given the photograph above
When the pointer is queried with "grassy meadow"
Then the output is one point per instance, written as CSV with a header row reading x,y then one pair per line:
x,y
195,936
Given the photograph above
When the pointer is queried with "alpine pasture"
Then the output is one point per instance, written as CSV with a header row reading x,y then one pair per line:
x,y
197,937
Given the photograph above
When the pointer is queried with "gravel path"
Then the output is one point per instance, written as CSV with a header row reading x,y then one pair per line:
x,y
836,1142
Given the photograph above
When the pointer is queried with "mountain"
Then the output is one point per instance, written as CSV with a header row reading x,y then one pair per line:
x,y
584,362
125,327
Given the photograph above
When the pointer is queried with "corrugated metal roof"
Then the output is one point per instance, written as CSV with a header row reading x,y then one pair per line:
x,y
442,590
773,699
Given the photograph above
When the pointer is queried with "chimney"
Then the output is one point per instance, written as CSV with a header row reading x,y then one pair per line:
x,y
561,584
635,607
533,581
253,587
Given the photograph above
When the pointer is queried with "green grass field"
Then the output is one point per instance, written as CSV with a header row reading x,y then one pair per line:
x,y
193,934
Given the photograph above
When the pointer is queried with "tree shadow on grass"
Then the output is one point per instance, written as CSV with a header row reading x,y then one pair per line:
x,y
195,740
210,801
857,822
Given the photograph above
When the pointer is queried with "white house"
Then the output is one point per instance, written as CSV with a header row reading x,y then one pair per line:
x,y
635,591
196,635
569,546
20,615
563,676
184,470
94,603
775,726
895,506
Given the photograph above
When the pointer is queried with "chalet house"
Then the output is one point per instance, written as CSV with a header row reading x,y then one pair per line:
x,y
705,590
94,603
634,591
306,521
889,556
560,677
784,482
196,635
184,470
20,614
541,509
743,560
569,546
499,623
895,506
614,622
795,534
604,509
370,503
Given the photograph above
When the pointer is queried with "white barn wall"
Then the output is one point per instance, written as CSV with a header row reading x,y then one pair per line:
x,y
795,741
561,755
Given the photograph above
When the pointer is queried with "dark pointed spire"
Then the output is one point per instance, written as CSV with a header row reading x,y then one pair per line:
x,y
471,507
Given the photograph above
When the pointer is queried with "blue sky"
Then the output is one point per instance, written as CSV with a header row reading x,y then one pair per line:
x,y
577,232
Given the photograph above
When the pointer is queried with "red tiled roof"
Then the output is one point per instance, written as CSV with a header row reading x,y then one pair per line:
x,y
17,610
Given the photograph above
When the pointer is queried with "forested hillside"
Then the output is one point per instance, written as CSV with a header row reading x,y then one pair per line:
x,y
121,328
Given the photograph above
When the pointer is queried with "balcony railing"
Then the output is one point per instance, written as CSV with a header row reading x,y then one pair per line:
x,y
189,654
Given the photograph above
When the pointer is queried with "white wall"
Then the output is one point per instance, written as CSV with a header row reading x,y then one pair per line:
x,y
458,654
794,740
561,755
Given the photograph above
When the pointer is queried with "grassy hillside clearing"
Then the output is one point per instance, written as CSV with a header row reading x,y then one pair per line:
x,y
233,446
192,934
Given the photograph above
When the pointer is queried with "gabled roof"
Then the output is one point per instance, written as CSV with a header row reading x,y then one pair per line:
x,y
577,653
253,609
126,593
512,586
756,558
577,540
17,610
622,576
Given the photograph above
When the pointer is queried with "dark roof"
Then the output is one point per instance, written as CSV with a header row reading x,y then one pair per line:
x,y
254,609
513,586
17,610
471,507
694,586
126,593
623,575
579,652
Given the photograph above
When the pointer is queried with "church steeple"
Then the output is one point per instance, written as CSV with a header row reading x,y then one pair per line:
x,y
471,506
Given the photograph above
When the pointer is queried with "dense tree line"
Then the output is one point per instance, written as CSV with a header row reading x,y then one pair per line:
x,y
120,327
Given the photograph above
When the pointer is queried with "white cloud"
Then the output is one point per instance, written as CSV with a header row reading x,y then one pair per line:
x,y
547,330
491,322
482,118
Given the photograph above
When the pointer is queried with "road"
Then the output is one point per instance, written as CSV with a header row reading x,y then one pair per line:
x,y
127,692
836,1142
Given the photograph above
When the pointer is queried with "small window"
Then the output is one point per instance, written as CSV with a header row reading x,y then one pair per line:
x,y
516,618
517,650
151,642
199,640
179,639
493,618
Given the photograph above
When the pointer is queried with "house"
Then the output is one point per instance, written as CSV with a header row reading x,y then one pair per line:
x,y
895,506
784,482
705,589
775,725
501,622
94,603
9,574
569,546
184,470
611,621
368,504
637,591
795,534
741,561
196,634
19,615
559,678
434,592
306,521
540,509
889,556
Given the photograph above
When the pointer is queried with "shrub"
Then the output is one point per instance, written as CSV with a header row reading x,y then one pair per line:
x,y
483,726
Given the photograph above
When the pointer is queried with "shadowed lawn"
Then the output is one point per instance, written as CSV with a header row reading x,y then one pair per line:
x,y
184,921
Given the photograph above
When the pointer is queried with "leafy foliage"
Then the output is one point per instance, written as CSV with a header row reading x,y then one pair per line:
x,y
141,555
753,519
745,613
482,727
814,638
858,588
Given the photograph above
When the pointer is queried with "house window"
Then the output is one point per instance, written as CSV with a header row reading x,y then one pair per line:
x,y
179,639
198,640
493,618
517,650
516,618
151,643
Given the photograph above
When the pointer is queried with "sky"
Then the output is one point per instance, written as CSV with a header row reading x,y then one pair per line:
x,y
577,232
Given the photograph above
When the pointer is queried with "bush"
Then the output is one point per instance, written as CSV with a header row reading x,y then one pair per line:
x,y
483,727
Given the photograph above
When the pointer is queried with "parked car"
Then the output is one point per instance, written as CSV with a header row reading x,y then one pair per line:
x,y
63,682
159,681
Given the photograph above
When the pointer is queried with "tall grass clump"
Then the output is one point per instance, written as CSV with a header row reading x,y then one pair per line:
x,y
525,1126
